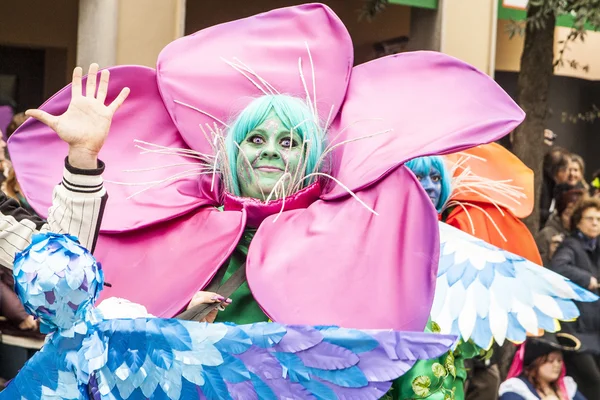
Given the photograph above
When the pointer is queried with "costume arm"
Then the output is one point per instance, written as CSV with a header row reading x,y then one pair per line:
x,y
562,263
77,207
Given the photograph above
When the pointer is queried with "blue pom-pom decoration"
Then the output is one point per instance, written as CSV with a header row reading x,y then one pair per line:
x,y
57,280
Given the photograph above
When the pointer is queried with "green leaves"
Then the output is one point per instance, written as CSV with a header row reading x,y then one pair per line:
x,y
449,364
420,385
438,370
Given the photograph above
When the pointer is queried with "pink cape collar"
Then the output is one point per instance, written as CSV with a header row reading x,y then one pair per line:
x,y
257,210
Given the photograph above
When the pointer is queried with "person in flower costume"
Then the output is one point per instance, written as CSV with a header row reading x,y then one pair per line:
x,y
305,190
150,244
118,351
482,191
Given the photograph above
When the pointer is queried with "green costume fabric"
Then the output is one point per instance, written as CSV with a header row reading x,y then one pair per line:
x,y
243,308
437,379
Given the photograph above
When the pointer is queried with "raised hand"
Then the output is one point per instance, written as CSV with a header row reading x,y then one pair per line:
x,y
85,124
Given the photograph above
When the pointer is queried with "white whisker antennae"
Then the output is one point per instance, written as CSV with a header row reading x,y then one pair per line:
x,y
330,148
297,179
241,71
512,192
212,181
174,149
247,68
198,156
170,153
459,164
200,111
200,168
282,208
468,155
314,79
190,174
279,182
329,117
350,125
309,102
346,188
492,201
160,167
223,168
452,203
467,182
489,217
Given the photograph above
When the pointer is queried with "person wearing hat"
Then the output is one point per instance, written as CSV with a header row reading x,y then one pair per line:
x,y
538,372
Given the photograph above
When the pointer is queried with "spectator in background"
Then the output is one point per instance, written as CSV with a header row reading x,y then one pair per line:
x,y
556,163
576,172
578,258
536,371
558,225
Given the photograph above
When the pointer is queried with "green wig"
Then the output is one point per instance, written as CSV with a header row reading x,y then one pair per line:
x,y
293,113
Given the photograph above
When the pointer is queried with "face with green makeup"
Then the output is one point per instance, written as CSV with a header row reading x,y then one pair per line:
x,y
267,152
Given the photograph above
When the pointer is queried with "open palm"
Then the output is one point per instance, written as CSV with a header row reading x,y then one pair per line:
x,y
86,122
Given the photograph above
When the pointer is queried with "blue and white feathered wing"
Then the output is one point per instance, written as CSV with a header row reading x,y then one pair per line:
x,y
484,293
172,359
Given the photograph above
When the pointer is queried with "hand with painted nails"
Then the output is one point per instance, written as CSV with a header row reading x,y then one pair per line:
x,y
85,124
202,297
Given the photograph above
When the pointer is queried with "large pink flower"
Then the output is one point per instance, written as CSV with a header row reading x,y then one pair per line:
x,y
325,259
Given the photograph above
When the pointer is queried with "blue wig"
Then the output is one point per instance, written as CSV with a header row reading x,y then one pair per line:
x,y
293,113
422,167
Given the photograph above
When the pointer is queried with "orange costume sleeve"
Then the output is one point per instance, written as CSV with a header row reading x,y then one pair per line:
x,y
493,163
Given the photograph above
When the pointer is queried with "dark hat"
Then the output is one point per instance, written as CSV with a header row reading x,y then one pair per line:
x,y
536,347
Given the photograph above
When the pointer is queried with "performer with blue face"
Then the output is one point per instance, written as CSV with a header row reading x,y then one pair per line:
x,y
434,178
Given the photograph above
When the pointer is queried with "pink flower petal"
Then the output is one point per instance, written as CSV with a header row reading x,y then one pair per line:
x,y
336,263
38,154
193,69
162,267
431,102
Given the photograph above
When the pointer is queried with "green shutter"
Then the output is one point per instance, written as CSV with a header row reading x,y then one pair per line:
x,y
417,3
520,15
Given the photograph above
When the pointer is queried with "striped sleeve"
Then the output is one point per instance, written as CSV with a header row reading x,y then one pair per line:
x,y
77,207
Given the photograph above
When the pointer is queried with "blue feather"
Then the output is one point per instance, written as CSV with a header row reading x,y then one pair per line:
x,y
236,341
214,387
486,276
568,308
545,322
293,367
351,377
446,261
354,340
233,370
319,390
455,273
482,334
469,276
265,335
263,391
505,269
515,331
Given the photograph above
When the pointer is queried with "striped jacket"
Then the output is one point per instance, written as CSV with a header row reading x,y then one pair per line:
x,y
77,206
